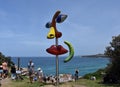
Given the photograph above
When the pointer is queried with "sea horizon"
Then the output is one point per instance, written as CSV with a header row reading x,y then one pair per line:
x,y
48,65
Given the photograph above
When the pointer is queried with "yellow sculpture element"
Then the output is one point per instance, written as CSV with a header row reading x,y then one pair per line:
x,y
51,33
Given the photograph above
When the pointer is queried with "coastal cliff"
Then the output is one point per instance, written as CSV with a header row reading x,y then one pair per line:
x,y
96,55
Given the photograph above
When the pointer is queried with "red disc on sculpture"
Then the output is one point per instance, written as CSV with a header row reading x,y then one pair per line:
x,y
56,50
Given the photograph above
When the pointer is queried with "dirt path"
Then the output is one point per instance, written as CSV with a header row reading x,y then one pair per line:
x,y
65,85
6,82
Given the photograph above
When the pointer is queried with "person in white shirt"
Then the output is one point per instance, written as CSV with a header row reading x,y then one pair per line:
x,y
31,70
40,74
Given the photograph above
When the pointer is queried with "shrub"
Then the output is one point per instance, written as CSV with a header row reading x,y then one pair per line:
x,y
98,74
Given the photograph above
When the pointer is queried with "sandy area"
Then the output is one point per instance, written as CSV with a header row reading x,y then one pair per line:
x,y
5,82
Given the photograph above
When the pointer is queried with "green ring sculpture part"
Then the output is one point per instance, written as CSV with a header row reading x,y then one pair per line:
x,y
71,51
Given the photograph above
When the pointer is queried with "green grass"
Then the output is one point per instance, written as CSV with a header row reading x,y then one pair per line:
x,y
26,83
85,82
96,83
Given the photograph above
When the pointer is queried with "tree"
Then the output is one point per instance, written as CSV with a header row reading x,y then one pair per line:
x,y
113,68
4,58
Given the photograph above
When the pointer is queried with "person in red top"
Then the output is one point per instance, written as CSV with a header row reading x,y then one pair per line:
x,y
5,69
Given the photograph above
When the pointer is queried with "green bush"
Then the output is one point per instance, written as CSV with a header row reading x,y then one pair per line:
x,y
113,52
4,58
98,74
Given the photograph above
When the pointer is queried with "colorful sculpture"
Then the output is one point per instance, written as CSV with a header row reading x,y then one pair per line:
x,y
54,33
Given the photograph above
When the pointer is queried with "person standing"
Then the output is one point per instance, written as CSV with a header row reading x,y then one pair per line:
x,y
5,69
76,74
40,74
31,70
13,72
1,71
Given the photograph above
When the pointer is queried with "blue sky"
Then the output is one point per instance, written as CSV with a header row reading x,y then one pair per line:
x,y
89,27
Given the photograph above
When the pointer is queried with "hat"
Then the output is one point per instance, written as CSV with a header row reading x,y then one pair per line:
x,y
39,68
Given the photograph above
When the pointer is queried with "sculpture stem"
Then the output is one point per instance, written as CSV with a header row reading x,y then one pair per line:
x,y
57,65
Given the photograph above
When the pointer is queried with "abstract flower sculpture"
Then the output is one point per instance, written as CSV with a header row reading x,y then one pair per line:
x,y
54,33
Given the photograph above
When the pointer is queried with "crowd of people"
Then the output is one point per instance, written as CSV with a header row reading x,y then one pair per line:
x,y
38,75
15,74
6,71
34,75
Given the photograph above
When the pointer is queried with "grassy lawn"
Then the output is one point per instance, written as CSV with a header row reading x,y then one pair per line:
x,y
96,83
85,82
25,83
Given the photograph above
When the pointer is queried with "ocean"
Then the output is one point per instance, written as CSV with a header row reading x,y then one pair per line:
x,y
47,64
